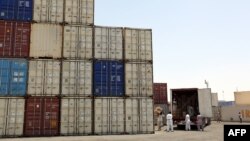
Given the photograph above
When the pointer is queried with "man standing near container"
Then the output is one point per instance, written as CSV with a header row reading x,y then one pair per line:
x,y
170,122
187,121
200,123
240,117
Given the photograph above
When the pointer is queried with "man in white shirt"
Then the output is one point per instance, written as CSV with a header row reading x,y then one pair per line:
x,y
188,122
170,122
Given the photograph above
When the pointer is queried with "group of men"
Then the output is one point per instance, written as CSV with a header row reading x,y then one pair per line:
x,y
169,118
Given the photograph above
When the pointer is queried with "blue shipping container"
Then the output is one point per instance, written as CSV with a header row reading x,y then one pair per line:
x,y
19,10
109,78
13,77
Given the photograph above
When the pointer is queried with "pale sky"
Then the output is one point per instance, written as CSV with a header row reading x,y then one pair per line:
x,y
193,40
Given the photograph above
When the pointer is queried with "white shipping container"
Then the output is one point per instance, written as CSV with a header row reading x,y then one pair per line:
x,y
50,11
108,43
138,44
139,79
76,78
139,115
77,42
76,116
215,101
46,40
205,102
44,77
11,116
109,116
79,12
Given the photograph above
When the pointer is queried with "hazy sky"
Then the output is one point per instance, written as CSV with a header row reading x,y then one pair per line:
x,y
193,40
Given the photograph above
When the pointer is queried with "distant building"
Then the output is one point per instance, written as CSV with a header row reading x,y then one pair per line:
x,y
242,98
223,103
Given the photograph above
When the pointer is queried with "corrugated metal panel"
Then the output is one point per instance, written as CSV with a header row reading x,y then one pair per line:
x,y
232,113
76,116
138,44
13,77
215,99
139,79
77,42
242,98
46,40
109,116
108,43
41,116
108,78
79,12
160,93
139,115
20,10
14,39
165,110
77,78
50,11
11,116
44,77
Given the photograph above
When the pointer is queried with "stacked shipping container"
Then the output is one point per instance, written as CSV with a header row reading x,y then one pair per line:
x,y
161,99
66,76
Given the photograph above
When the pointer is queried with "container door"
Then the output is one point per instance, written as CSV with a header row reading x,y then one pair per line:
x,y
205,102
101,116
84,116
3,114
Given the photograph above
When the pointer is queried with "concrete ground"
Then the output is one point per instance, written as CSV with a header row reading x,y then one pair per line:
x,y
214,132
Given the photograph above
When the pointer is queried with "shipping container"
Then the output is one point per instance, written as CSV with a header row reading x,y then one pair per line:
x,y
18,10
41,116
44,77
13,77
77,42
165,111
138,44
215,99
49,11
242,98
139,116
79,12
76,116
139,79
109,116
14,39
108,78
108,43
231,113
11,117
160,93
191,101
77,78
46,40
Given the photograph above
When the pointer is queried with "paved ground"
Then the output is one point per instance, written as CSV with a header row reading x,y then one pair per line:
x,y
214,132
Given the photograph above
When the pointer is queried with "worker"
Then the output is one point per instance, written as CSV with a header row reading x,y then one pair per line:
x,y
188,122
200,124
240,117
170,122
159,120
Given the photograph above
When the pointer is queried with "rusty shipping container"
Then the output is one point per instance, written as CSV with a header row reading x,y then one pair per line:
x,y
44,77
139,116
139,79
41,116
109,116
138,44
160,93
14,39
76,116
11,116
77,42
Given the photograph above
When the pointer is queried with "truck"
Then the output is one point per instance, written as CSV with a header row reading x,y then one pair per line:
x,y
191,101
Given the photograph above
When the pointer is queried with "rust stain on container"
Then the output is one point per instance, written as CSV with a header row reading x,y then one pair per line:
x,y
41,116
14,39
